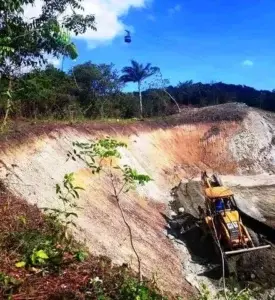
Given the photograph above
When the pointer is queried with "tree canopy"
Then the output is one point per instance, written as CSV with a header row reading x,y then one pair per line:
x,y
95,91
28,42
137,73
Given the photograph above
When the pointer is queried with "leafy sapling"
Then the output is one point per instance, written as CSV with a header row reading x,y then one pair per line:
x,y
45,250
102,156
68,193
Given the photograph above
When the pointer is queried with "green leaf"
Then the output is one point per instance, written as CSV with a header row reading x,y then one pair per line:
x,y
9,94
57,189
76,195
33,258
79,188
68,214
73,224
81,256
20,264
41,254
23,219
72,51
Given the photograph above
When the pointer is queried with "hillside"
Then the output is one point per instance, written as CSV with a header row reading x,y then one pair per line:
x,y
231,139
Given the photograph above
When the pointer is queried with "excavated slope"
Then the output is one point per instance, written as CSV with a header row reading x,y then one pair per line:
x,y
34,160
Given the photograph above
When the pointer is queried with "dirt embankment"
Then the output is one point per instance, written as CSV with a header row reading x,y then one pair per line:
x,y
33,160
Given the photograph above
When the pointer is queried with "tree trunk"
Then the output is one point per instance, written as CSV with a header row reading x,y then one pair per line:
x,y
173,99
131,238
8,105
140,100
116,196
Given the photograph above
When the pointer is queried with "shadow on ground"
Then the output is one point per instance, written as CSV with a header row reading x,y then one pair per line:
x,y
201,247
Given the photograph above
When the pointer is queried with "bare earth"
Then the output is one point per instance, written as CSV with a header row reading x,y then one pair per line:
x,y
34,160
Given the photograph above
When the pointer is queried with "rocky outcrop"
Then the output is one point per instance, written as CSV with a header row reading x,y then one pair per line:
x,y
253,147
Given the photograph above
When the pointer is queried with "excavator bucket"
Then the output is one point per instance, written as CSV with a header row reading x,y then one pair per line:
x,y
246,250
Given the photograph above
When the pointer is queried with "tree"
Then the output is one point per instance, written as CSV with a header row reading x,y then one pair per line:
x,y
38,94
156,103
101,156
185,90
27,43
95,83
161,84
137,73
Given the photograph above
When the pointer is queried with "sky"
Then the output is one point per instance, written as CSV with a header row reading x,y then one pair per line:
x,y
215,40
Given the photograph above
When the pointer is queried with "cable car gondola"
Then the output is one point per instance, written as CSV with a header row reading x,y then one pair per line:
x,y
127,37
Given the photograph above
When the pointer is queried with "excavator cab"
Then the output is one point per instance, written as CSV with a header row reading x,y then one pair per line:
x,y
226,222
219,199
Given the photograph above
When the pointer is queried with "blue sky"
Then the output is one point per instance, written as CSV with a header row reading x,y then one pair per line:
x,y
215,40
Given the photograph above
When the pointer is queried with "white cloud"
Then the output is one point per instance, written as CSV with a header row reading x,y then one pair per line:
x,y
54,61
175,9
107,13
248,63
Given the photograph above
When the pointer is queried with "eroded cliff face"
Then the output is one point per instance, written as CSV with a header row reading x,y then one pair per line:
x,y
254,146
168,153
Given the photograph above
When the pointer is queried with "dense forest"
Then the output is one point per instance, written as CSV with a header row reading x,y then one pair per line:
x,y
97,91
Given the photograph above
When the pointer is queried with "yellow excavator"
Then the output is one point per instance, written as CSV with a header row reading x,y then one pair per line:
x,y
223,220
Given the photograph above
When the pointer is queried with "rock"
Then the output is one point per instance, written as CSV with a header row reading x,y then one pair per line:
x,y
96,279
191,279
181,210
173,214
165,233
170,237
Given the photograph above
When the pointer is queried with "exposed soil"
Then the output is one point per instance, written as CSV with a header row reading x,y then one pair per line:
x,y
229,139
72,279
34,160
258,267
21,130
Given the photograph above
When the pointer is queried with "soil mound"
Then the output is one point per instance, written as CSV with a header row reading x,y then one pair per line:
x,y
258,266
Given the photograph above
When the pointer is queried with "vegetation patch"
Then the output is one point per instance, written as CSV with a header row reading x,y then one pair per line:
x,y
37,262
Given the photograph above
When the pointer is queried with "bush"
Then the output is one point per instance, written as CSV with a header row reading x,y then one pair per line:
x,y
36,248
8,285
132,289
234,292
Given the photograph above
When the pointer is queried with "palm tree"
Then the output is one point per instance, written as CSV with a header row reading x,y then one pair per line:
x,y
137,73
